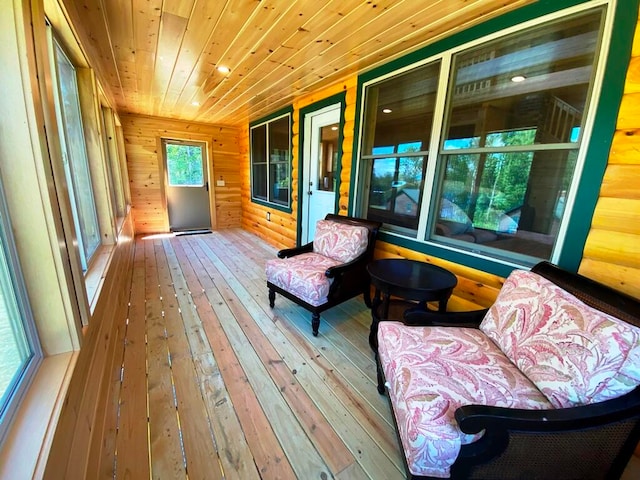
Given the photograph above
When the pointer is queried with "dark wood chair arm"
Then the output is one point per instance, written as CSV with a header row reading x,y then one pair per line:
x,y
338,270
292,252
428,318
475,418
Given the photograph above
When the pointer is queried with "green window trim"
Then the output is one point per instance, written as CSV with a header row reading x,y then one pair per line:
x,y
597,147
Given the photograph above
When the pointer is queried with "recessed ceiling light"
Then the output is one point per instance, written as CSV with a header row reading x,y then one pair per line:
x,y
386,110
334,128
518,78
223,69
195,104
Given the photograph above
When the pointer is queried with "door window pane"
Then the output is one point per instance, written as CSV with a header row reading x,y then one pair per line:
x,y
184,165
328,158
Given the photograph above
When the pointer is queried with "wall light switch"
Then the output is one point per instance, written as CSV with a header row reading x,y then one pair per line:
x,y
220,183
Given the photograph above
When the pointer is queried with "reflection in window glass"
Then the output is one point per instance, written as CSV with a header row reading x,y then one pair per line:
x,y
76,163
271,161
513,114
401,111
529,89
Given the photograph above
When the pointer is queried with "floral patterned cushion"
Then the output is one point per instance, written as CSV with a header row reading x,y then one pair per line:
x,y
430,372
303,275
575,354
340,241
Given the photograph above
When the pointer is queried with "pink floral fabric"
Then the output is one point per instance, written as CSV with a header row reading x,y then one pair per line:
x,y
302,275
430,372
340,241
574,354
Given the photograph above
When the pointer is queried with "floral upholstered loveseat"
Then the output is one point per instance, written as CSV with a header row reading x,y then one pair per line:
x,y
327,271
544,384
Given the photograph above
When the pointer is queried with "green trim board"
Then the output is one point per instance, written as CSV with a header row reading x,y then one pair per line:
x,y
332,100
597,147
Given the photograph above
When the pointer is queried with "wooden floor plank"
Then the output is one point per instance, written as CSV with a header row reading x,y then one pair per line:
x,y
197,441
268,455
216,384
167,460
386,434
244,310
132,439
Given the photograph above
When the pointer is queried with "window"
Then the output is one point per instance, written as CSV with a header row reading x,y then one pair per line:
x,y
395,150
271,161
184,164
114,174
485,161
19,349
74,153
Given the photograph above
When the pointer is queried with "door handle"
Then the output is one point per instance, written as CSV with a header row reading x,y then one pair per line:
x,y
206,185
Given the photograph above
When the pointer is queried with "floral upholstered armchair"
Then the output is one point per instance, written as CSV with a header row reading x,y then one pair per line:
x,y
327,271
544,384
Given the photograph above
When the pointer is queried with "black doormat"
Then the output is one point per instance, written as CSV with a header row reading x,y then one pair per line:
x,y
191,232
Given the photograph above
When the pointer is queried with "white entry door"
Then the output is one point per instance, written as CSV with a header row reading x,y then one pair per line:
x,y
320,164
187,185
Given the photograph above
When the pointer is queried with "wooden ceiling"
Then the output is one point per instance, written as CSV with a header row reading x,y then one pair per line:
x,y
160,57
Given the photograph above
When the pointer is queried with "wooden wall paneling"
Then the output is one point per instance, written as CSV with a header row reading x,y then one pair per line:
x,y
145,169
84,406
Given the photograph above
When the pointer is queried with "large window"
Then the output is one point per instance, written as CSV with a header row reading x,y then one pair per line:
x,y
484,161
74,153
271,161
19,349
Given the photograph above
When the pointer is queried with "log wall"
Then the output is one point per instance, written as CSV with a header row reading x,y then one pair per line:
x,y
612,251
142,137
281,229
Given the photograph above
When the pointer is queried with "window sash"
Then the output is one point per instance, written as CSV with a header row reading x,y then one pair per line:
x,y
20,352
75,160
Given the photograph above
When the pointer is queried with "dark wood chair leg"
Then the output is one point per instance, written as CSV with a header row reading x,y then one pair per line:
x,y
272,298
315,323
381,388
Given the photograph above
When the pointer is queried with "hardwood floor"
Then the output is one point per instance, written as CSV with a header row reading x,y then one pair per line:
x,y
215,384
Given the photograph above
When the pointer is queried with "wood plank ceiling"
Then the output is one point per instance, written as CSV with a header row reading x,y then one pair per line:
x,y
161,57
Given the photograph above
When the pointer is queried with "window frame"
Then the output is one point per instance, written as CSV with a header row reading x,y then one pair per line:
x,y
70,163
592,157
266,121
19,388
